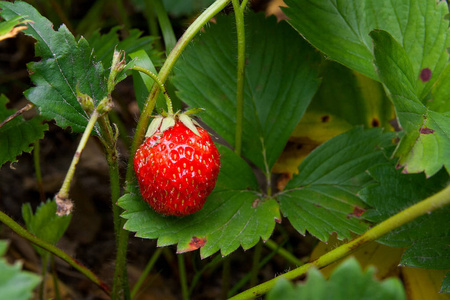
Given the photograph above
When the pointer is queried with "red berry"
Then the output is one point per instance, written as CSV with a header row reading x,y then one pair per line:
x,y
177,169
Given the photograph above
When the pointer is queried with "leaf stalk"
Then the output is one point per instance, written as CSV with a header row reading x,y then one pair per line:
x,y
54,250
240,28
428,205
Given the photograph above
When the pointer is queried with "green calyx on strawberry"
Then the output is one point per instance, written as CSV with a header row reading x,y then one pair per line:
x,y
177,165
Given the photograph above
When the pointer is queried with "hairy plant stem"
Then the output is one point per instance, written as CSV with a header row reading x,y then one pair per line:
x,y
64,191
149,105
239,16
160,84
428,205
120,282
54,250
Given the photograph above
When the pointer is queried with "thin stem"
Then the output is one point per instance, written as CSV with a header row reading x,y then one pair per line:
x,y
243,5
217,259
247,276
283,253
255,266
17,113
44,266
160,84
183,278
55,278
149,105
226,274
428,205
53,249
64,191
239,15
120,282
146,271
37,169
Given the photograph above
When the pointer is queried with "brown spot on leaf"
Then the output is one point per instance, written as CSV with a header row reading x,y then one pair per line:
x,y
196,243
255,203
357,211
425,130
325,118
425,74
375,122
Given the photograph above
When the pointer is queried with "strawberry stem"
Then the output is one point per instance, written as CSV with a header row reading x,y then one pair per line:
x,y
54,250
239,15
149,105
160,85
64,191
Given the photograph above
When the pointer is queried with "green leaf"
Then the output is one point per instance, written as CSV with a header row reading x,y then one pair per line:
x,y
418,25
45,223
427,237
322,198
234,214
105,44
17,135
15,283
281,79
143,83
347,281
426,146
66,64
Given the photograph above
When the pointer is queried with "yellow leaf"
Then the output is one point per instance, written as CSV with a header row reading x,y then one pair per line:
x,y
12,33
314,129
424,283
386,259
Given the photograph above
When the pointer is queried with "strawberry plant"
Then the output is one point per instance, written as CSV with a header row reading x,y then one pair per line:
x,y
326,130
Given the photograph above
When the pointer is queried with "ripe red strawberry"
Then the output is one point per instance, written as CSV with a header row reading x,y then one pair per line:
x,y
176,169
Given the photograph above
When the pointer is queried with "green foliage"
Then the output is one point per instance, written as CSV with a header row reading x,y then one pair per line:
x,y
281,79
104,45
410,60
15,283
17,135
66,64
419,26
322,198
427,237
348,281
45,223
234,214
427,143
